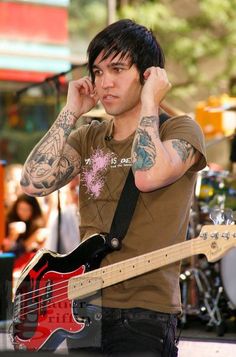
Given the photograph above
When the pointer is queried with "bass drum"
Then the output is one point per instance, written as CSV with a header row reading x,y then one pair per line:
x,y
228,275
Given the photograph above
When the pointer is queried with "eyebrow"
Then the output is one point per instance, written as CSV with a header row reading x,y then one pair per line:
x,y
113,64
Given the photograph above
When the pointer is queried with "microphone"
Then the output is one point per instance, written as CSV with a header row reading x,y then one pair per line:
x,y
108,137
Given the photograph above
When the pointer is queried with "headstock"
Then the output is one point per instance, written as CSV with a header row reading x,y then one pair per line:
x,y
217,240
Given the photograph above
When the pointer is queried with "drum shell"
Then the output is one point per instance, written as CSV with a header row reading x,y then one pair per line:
x,y
228,275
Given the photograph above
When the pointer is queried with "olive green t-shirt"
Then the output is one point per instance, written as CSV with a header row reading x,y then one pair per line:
x,y
160,219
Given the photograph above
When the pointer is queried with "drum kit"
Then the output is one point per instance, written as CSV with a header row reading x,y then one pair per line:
x,y
209,289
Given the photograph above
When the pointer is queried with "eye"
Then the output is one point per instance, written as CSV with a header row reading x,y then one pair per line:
x,y
118,69
97,72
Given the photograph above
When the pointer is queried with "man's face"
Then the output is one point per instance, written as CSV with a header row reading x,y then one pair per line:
x,y
117,84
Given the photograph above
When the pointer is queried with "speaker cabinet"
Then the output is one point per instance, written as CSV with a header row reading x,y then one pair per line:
x,y
6,268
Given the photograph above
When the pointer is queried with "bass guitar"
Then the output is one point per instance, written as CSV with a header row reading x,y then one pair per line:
x,y
45,309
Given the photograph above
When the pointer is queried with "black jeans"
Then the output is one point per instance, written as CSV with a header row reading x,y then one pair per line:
x,y
129,332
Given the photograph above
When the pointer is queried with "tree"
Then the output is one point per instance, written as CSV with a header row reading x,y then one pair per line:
x,y
198,38
86,18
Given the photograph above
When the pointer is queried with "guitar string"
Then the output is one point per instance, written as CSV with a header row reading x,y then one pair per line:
x,y
42,288
66,281
79,277
132,260
65,286
114,272
84,275
105,273
54,297
92,272
44,294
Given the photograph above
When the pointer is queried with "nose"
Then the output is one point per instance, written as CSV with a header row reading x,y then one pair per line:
x,y
107,81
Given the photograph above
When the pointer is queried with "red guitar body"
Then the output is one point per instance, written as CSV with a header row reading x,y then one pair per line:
x,y
43,315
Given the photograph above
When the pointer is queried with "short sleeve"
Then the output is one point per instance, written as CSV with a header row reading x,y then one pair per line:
x,y
185,128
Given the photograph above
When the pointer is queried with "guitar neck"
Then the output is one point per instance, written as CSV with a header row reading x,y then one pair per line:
x,y
95,280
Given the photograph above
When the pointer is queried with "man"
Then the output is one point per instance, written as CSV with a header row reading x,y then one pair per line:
x,y
127,75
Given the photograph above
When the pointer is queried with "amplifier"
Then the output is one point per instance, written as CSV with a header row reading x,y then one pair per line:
x,y
6,268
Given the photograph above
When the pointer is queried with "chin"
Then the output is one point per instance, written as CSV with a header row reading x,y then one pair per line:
x,y
112,112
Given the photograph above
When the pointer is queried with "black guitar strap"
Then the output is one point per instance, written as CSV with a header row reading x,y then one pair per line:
x,y
125,207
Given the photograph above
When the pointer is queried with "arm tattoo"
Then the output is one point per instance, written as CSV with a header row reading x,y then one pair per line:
x,y
65,122
184,149
50,165
144,151
151,122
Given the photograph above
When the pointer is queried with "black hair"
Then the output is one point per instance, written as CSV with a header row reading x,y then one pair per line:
x,y
127,38
34,222
31,201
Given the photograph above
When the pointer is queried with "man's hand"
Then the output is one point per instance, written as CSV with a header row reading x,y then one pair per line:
x,y
81,97
155,87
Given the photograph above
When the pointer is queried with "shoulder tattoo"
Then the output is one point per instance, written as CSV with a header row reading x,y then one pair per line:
x,y
183,149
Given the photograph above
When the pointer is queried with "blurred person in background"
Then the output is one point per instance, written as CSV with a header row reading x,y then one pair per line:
x,y
24,227
12,186
63,233
126,73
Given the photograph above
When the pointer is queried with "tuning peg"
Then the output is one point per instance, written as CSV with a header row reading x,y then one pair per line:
x,y
229,216
226,235
221,216
214,235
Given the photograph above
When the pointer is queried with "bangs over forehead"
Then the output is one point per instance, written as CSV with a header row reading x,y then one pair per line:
x,y
119,55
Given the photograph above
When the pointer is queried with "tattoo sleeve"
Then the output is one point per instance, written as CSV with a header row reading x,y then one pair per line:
x,y
183,148
151,122
52,163
144,150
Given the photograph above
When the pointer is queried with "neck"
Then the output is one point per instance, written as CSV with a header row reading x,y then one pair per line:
x,y
125,124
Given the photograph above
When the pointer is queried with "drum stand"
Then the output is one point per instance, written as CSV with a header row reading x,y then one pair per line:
x,y
208,308
200,296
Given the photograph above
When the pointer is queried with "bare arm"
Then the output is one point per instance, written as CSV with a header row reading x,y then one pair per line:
x,y
53,162
156,163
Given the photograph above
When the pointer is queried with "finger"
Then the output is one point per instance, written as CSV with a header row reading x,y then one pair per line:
x,y
146,73
84,88
95,98
89,83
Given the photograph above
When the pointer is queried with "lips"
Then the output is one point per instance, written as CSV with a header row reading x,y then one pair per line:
x,y
109,98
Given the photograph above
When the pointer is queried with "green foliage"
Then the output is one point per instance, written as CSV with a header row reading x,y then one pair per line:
x,y
190,38
83,13
86,18
191,33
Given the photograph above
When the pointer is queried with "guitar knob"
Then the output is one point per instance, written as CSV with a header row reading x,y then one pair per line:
x,y
22,347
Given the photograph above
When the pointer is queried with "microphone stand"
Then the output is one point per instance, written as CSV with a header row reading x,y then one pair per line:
x,y
57,87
